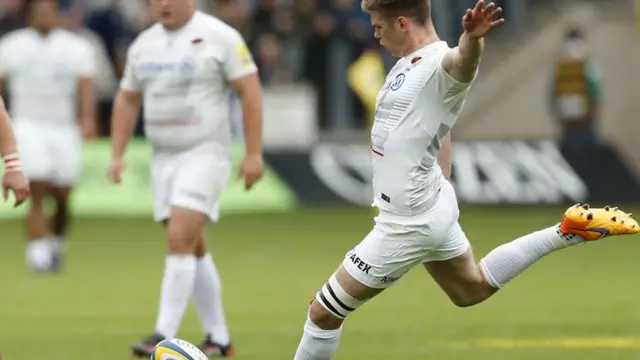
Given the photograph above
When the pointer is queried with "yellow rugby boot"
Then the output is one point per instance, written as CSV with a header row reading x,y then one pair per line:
x,y
594,224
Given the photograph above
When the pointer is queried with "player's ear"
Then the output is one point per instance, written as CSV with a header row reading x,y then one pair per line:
x,y
403,23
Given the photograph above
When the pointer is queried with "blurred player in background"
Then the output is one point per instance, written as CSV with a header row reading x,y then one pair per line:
x,y
420,102
48,73
13,179
184,69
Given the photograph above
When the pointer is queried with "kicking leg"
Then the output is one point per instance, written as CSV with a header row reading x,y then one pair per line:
x,y
468,283
38,249
207,296
183,232
375,264
340,296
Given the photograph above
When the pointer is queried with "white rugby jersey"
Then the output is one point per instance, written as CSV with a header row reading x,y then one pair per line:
x,y
415,109
42,73
184,76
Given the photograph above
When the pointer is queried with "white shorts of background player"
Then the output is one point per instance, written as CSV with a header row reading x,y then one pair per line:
x,y
193,179
49,152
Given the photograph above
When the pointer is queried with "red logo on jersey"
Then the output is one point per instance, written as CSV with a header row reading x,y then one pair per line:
x,y
415,60
196,41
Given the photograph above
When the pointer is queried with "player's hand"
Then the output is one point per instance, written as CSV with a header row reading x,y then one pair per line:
x,y
251,170
18,183
480,20
116,169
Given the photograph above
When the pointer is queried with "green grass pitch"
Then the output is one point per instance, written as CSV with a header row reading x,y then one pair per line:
x,y
581,303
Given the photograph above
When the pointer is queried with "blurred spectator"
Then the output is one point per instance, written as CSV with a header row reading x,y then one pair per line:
x,y
576,90
293,41
12,15
111,26
106,81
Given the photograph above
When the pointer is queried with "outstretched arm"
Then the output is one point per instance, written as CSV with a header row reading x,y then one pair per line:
x,y
462,62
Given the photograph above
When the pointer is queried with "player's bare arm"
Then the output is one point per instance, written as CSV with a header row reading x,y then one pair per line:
x,y
444,158
13,178
87,106
249,90
462,62
126,108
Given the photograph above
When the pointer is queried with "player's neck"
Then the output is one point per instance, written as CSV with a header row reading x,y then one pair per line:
x,y
43,31
181,24
420,38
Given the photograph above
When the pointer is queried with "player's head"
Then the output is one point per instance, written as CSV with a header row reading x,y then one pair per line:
x,y
43,15
172,14
575,43
395,20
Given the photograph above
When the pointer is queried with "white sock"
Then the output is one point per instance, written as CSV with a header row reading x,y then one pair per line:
x,y
507,261
177,288
56,243
39,254
207,296
316,343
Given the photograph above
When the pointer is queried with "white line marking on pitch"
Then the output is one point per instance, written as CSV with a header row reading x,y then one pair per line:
x,y
568,343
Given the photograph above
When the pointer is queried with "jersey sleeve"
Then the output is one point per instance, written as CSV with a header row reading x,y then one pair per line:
x,y
238,61
130,80
446,85
86,60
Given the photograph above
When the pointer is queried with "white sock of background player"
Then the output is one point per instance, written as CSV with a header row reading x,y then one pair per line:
x,y
177,287
39,254
207,297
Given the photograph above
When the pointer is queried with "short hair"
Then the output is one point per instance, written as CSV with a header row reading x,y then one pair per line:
x,y
574,34
418,10
30,4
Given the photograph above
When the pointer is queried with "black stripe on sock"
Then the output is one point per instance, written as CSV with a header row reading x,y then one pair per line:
x,y
333,294
329,306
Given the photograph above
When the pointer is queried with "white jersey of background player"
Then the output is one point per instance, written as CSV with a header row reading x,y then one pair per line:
x,y
418,220
49,74
183,69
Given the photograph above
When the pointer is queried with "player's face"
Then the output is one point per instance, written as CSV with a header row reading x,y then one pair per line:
x,y
44,14
388,32
172,13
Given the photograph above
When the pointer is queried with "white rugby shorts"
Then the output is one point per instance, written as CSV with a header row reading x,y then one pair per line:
x,y
398,243
193,180
49,153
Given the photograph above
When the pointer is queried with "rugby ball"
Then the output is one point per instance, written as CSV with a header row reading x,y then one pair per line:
x,y
176,349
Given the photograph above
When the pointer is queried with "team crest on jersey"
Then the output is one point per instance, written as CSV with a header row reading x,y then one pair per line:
x,y
397,82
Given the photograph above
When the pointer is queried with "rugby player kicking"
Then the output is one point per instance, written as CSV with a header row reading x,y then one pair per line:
x,y
184,69
417,224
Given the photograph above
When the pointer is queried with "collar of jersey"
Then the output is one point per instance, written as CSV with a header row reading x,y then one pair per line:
x,y
427,48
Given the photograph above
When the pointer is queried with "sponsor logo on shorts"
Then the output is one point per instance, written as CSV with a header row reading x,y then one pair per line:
x,y
388,279
363,266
